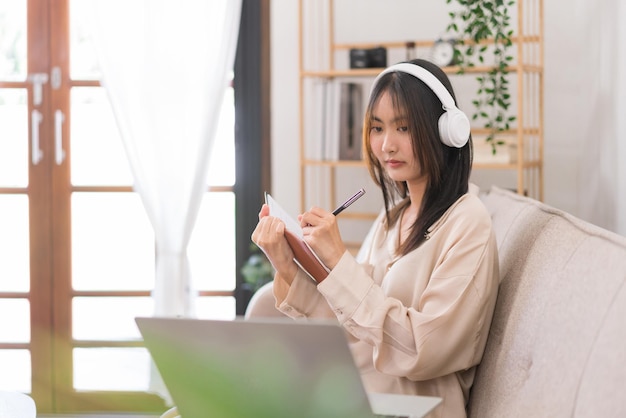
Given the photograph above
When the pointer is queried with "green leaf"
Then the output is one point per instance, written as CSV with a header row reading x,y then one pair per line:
x,y
486,19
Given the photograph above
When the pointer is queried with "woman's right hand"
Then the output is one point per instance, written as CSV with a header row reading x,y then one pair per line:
x,y
269,236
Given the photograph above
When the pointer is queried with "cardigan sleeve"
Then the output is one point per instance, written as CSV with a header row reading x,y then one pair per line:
x,y
301,298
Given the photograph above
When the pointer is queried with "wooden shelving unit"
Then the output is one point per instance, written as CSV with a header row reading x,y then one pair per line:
x,y
526,77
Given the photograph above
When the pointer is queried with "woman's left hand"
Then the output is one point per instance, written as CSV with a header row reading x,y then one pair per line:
x,y
321,232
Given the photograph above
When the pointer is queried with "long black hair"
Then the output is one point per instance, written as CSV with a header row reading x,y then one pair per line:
x,y
447,168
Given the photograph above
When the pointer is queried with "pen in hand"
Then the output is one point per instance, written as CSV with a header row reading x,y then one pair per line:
x,y
348,202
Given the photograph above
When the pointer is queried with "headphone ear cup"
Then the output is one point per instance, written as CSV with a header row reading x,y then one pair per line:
x,y
454,128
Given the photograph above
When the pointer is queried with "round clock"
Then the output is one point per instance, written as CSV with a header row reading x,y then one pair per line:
x,y
443,52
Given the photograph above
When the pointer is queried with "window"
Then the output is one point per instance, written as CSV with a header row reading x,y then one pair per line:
x,y
69,283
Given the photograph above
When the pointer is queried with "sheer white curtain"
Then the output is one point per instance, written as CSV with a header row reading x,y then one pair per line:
x,y
620,115
602,196
166,65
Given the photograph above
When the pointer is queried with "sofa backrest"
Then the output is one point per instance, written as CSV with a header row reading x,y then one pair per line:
x,y
557,344
263,304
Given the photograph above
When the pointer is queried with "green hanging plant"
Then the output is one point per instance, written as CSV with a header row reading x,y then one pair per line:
x,y
479,25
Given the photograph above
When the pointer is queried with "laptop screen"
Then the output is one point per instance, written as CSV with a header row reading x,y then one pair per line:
x,y
256,368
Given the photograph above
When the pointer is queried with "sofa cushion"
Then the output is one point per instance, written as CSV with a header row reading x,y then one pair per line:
x,y
603,377
555,333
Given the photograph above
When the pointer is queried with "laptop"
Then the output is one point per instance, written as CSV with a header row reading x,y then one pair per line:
x,y
269,367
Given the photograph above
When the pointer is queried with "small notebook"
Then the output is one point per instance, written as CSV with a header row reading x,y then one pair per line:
x,y
303,254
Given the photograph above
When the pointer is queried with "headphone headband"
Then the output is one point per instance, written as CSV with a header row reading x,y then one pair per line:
x,y
426,76
454,126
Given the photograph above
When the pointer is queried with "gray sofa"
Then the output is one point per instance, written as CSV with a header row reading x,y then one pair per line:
x,y
557,345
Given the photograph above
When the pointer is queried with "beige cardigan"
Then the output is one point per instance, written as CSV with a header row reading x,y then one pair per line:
x,y
416,324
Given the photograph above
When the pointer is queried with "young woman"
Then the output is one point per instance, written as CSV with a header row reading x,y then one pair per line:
x,y
417,302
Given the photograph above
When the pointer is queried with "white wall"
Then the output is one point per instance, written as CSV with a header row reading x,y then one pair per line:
x,y
575,89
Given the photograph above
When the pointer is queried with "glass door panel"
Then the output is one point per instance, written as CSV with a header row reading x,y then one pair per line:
x,y
13,40
98,157
15,362
13,137
112,369
109,368
112,243
222,166
16,370
14,245
17,328
83,60
94,320
216,307
212,246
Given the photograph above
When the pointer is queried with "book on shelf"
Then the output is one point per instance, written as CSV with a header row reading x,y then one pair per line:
x,y
332,100
350,121
336,120
304,256
316,118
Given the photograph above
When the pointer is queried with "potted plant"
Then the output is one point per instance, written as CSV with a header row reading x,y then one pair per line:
x,y
483,28
257,270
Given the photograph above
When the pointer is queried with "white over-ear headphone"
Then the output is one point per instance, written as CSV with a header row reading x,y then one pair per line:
x,y
454,126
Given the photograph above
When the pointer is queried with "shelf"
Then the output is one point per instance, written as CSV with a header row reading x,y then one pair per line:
x,y
426,43
454,69
335,163
525,136
506,133
501,166
360,72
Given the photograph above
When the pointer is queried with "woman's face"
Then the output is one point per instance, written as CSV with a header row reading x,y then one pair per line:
x,y
391,142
